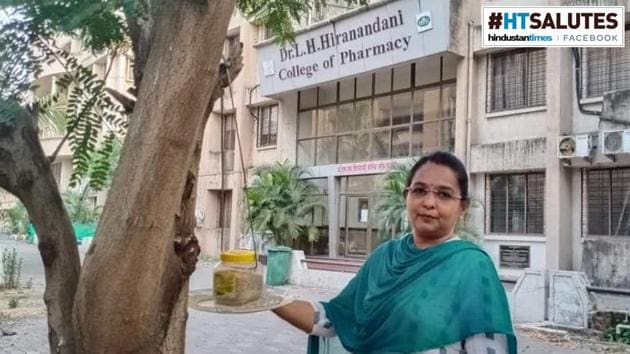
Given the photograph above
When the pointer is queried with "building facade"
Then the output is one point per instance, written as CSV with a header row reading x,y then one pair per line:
x,y
117,71
541,131
371,87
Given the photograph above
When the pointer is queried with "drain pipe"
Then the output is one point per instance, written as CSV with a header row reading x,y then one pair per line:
x,y
620,326
469,62
469,91
578,91
578,84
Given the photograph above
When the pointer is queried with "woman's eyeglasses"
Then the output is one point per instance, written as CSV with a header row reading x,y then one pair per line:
x,y
419,192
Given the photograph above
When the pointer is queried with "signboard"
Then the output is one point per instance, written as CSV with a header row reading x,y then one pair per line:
x,y
364,215
356,168
393,33
514,256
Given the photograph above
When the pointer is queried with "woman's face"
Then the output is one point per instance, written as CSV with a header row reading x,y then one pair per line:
x,y
434,202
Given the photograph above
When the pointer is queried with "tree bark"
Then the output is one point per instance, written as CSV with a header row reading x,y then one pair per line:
x,y
131,282
25,172
187,250
186,244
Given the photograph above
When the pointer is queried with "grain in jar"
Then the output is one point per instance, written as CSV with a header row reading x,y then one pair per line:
x,y
237,280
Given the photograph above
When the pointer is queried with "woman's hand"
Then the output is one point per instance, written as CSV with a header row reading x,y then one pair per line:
x,y
298,313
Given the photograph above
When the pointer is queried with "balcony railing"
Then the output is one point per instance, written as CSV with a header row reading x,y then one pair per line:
x,y
593,3
333,8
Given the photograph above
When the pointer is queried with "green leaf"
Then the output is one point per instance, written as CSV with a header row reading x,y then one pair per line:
x,y
278,200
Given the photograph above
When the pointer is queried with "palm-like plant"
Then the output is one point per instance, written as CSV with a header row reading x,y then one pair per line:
x,y
52,119
80,209
391,209
465,229
281,202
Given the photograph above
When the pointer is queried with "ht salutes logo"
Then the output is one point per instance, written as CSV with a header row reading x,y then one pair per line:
x,y
553,26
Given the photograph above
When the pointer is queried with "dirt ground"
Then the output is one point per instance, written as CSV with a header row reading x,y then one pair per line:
x,y
574,341
16,304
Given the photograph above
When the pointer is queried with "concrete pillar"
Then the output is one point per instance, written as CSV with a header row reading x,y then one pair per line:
x,y
558,184
333,216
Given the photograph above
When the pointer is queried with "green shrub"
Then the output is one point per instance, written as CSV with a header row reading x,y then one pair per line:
x,y
611,335
15,220
80,209
280,202
11,269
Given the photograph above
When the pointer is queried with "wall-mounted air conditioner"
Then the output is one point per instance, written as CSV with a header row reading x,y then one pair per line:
x,y
570,146
615,142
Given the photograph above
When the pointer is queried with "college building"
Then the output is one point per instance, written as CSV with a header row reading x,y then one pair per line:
x,y
542,132
117,72
363,89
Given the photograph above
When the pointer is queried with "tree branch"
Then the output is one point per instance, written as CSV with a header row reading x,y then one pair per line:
x,y
140,31
114,54
58,148
230,68
25,172
127,102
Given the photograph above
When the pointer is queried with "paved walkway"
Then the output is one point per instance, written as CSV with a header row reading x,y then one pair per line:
x,y
258,333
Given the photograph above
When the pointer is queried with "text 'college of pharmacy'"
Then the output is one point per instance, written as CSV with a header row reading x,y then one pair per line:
x,y
334,39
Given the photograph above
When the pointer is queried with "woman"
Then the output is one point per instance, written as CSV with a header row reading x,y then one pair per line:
x,y
428,292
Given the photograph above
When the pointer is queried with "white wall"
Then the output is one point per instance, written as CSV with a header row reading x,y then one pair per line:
x,y
537,251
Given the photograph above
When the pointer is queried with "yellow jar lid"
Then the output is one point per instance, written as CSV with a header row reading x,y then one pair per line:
x,y
238,256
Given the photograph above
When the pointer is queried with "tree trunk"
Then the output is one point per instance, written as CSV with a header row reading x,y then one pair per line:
x,y
130,282
187,249
186,244
25,172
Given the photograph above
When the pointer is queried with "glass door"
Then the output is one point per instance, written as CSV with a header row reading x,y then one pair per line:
x,y
355,223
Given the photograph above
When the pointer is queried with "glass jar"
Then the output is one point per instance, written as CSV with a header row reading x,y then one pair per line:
x,y
237,280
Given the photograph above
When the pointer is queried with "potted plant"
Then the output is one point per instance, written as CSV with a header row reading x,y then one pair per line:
x,y
279,204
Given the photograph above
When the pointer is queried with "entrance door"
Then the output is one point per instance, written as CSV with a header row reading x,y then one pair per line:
x,y
356,220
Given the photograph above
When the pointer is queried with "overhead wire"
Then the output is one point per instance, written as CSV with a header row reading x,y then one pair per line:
x,y
242,161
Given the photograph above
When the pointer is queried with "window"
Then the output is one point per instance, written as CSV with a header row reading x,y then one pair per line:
x,y
607,207
363,210
129,69
225,208
56,172
58,89
517,203
92,201
68,47
229,135
265,33
380,116
328,9
605,69
267,126
232,42
516,79
98,69
7,200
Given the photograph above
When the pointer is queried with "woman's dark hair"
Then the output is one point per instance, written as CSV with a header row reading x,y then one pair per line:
x,y
445,159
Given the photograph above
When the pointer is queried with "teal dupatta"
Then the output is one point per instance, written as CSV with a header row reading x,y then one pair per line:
x,y
406,300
